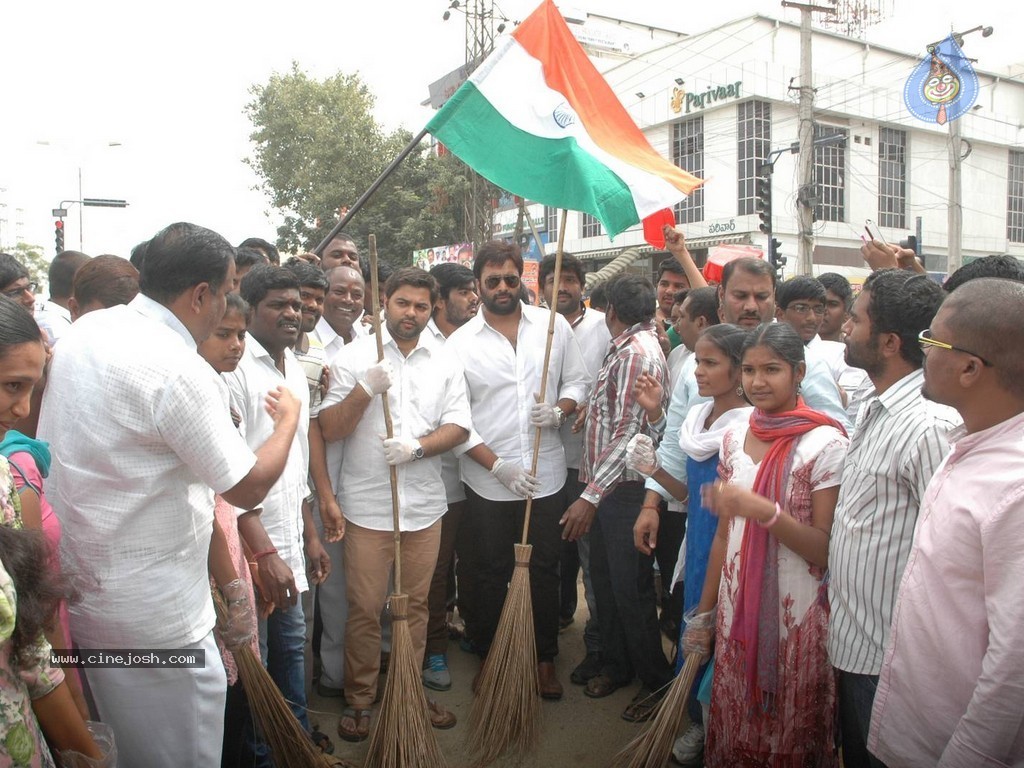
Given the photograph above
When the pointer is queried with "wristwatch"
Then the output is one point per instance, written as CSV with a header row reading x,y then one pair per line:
x,y
418,453
562,416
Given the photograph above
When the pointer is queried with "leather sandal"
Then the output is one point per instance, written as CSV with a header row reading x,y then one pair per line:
x,y
643,706
602,685
440,718
354,724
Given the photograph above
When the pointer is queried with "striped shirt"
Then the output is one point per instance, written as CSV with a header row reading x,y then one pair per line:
x,y
613,414
899,442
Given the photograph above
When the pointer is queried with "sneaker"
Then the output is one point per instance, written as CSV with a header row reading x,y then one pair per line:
x,y
586,669
435,673
689,747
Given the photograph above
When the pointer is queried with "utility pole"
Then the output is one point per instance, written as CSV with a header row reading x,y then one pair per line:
x,y
805,163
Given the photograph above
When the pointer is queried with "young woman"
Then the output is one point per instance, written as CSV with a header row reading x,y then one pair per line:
x,y
717,354
34,700
773,695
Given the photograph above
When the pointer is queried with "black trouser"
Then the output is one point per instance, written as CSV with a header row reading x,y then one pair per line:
x,y
623,581
856,695
491,529
670,539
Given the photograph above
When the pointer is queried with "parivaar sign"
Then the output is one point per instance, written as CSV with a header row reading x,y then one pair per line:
x,y
685,101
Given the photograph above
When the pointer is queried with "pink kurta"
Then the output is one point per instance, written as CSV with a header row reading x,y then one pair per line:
x,y
228,521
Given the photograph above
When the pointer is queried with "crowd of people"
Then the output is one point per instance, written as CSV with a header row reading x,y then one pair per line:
x,y
813,492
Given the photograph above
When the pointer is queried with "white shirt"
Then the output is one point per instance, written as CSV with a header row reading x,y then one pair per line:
x,y
144,432
249,383
427,390
334,452
853,381
332,341
595,341
454,490
676,361
502,384
899,442
53,319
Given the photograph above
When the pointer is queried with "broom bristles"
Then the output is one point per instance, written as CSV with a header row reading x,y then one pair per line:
x,y
506,708
289,743
402,736
651,747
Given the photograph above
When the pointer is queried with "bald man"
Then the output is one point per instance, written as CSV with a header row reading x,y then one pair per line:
x,y
957,639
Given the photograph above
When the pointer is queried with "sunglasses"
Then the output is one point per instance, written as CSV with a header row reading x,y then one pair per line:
x,y
492,282
925,339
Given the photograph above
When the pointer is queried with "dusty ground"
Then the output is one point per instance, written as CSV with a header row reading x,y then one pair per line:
x,y
575,731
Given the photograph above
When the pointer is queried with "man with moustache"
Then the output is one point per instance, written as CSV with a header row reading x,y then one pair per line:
x,y
502,355
591,331
899,442
949,693
456,304
430,414
338,326
281,535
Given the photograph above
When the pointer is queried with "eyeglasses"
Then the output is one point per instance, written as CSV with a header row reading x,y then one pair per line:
x,y
14,293
492,282
925,339
804,309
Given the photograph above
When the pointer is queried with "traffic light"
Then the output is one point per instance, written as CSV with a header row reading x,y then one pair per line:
x,y
775,257
58,235
764,202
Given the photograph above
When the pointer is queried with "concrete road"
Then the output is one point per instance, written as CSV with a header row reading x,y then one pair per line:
x,y
576,731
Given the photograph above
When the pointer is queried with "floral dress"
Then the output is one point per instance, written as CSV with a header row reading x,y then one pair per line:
x,y
799,731
21,741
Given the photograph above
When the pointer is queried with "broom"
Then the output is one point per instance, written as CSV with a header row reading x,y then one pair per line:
x,y
651,747
289,743
506,708
402,736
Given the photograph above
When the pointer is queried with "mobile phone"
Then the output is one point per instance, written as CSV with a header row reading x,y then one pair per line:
x,y
873,231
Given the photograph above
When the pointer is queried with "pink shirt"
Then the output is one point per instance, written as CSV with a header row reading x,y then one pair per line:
x,y
951,690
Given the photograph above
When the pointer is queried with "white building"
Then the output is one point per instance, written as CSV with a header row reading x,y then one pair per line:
x,y
717,102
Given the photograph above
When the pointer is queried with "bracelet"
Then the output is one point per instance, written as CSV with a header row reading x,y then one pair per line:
x,y
257,555
773,519
651,506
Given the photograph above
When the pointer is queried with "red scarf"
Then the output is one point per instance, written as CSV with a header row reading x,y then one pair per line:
x,y
756,618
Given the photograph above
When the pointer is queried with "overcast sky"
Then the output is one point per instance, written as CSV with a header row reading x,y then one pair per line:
x,y
169,83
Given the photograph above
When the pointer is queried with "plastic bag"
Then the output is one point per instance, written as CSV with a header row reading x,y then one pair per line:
x,y
103,735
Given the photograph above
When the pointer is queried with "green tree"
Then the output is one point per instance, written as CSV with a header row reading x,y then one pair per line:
x,y
317,148
35,262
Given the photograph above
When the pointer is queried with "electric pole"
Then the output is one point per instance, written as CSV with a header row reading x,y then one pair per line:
x,y
805,163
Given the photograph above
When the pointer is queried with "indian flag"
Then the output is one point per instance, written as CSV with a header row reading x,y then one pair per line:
x,y
537,119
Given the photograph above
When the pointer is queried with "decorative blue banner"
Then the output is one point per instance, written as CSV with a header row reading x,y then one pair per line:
x,y
943,86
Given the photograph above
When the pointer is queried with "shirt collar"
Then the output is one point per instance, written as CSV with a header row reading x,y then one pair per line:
x,y
157,311
256,349
432,327
904,392
963,443
57,309
624,337
325,332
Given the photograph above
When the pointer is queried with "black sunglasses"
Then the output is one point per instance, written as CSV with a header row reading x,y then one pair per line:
x,y
492,282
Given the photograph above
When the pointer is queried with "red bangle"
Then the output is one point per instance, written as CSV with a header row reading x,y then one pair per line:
x,y
773,519
257,555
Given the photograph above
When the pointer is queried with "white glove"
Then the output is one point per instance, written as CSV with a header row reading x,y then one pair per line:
x,y
103,736
641,456
398,450
240,623
377,378
515,478
546,415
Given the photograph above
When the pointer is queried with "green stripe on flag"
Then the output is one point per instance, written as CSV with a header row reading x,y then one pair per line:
x,y
555,172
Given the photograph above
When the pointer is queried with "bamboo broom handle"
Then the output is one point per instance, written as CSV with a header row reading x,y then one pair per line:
x,y
389,427
547,358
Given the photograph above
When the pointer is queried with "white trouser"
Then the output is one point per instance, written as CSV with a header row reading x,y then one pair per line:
x,y
165,716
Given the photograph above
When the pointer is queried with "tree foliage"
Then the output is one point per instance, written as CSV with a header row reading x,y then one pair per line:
x,y
317,148
35,262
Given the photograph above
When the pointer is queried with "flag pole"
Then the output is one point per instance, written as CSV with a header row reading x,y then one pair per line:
x,y
406,151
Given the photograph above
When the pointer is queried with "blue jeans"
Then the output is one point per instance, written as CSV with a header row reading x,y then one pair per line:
x,y
856,695
282,646
624,587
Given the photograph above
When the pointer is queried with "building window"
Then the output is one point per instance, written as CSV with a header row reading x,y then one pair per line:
x,y
589,226
830,175
892,178
755,140
1015,198
688,154
551,223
